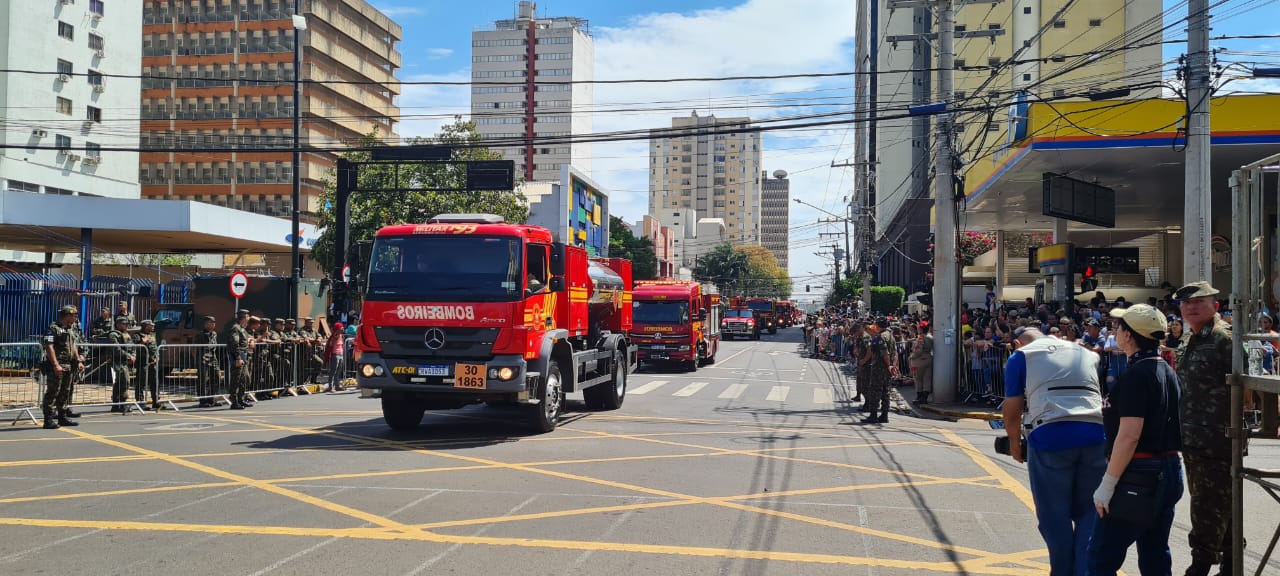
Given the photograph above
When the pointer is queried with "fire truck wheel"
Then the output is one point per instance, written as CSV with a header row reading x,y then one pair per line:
x,y
401,411
609,396
543,415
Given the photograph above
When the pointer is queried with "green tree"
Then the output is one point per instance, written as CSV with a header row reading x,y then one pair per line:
x,y
724,267
764,278
846,289
624,244
887,299
373,210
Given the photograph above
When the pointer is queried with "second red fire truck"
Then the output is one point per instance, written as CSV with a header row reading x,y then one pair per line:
x,y
676,321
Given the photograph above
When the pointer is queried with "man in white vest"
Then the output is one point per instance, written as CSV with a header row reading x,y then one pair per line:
x,y
1056,384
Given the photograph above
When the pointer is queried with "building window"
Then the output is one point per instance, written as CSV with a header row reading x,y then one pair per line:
x,y
62,142
1026,77
1026,9
993,62
994,26
92,113
96,6
1059,93
960,94
961,28
993,127
64,106
1095,22
1059,23
64,67
96,42
95,78
20,186
92,150
556,56
554,72
1058,58
66,31
960,62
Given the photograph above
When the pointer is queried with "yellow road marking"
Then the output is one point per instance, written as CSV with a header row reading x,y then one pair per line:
x,y
267,487
375,534
1022,493
86,460
120,492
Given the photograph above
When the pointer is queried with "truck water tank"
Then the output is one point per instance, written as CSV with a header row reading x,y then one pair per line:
x,y
605,283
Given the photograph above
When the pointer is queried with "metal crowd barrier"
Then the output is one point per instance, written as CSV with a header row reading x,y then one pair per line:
x,y
21,385
108,380
191,372
982,372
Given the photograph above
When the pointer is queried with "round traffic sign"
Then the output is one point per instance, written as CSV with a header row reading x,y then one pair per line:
x,y
346,273
239,284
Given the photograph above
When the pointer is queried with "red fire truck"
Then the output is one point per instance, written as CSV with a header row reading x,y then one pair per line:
x,y
786,314
468,309
676,321
763,311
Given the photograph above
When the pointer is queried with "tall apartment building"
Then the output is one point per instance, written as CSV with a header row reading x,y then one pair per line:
x,y
83,97
531,91
219,74
775,214
711,167
1053,62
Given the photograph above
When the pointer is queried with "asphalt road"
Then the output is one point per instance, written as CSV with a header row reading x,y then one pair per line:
x,y
755,465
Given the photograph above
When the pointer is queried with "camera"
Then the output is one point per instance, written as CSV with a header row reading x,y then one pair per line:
x,y
1002,445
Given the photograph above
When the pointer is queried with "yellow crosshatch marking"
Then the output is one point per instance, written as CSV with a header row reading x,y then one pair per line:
x,y
972,560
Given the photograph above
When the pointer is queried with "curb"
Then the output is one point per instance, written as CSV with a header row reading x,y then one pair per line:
x,y
971,415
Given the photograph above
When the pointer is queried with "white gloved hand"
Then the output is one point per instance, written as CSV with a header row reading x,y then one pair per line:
x,y
1102,496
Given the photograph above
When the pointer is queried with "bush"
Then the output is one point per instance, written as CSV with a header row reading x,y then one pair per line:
x,y
887,299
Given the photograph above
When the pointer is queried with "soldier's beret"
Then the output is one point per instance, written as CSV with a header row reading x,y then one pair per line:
x,y
210,319
68,309
308,319
290,321
241,312
1195,290
278,321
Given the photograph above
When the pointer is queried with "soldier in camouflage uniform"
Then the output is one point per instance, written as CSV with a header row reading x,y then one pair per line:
x,y
309,349
102,324
77,375
279,361
122,358
147,379
289,352
1205,412
209,377
122,309
858,350
62,359
239,342
880,371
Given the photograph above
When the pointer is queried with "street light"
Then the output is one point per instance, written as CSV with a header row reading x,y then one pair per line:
x,y
848,257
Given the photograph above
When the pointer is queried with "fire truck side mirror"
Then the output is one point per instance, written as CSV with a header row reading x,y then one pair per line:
x,y
557,262
702,315
556,284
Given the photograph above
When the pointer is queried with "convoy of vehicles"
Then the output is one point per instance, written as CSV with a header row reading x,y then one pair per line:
x,y
740,321
765,313
468,308
676,321
786,314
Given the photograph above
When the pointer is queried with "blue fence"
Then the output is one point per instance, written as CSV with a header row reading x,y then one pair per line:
x,y
30,302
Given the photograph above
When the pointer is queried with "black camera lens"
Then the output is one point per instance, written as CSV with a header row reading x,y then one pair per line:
x,y
1002,445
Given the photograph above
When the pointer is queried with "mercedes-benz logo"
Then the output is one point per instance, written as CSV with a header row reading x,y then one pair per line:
x,y
434,339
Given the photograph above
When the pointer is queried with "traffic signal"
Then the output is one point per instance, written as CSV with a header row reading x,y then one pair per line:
x,y
1089,278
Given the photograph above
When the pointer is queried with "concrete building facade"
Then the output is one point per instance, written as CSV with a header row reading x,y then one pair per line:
x,y
82,100
70,128
775,214
663,244
709,167
531,91
1054,61
219,73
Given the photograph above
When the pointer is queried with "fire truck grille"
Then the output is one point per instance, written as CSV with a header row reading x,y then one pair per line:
x,y
411,342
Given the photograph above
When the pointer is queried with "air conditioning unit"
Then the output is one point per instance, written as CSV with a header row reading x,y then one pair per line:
x,y
64,77
100,53
73,157
96,16
38,133
88,124
99,88
66,2
91,160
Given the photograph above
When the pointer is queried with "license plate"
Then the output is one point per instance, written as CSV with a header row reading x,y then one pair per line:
x,y
433,370
658,347
469,376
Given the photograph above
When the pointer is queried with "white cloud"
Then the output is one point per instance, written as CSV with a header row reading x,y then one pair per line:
x,y
439,53
758,38
425,108
401,11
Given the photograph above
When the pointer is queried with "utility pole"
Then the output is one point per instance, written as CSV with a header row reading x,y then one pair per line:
x,y
862,108
946,285
295,240
1197,219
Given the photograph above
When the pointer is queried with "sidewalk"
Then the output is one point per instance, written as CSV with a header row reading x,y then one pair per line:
x,y
956,410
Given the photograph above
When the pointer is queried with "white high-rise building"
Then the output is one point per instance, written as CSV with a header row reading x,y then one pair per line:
x,y
531,91
78,94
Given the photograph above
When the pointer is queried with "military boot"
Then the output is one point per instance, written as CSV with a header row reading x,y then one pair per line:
x,y
1198,568
50,422
64,421
68,413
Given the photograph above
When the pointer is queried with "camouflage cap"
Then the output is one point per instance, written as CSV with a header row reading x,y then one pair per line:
x,y
308,319
68,309
120,319
290,321
210,319
147,322
1195,290
241,313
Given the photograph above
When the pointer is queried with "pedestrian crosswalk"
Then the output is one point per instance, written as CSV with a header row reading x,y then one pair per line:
x,y
816,394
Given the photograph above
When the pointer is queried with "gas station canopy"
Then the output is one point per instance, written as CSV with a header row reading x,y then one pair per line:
x,y
51,223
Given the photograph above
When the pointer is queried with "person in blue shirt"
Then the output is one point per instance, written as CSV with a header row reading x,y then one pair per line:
x,y
1056,384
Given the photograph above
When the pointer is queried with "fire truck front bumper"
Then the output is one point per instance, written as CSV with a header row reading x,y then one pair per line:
x,y
669,351
501,375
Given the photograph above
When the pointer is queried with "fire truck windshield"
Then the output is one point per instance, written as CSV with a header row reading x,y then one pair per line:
x,y
660,312
759,306
738,313
445,268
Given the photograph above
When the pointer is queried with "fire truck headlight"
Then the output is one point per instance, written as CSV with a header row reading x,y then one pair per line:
x,y
378,371
684,348
506,373
367,370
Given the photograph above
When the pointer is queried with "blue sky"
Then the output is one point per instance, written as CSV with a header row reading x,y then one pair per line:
x,y
670,38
